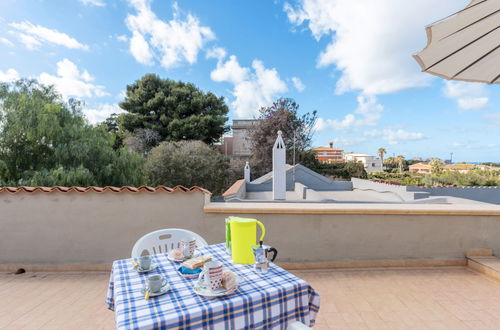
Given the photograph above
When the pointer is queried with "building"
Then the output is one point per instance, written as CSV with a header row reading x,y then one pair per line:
x,y
371,163
461,168
238,145
241,137
329,154
420,168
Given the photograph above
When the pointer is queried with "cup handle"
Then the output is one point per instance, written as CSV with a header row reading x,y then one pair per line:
x,y
275,253
202,275
164,282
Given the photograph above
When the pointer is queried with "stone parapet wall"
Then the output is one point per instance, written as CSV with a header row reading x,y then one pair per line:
x,y
72,228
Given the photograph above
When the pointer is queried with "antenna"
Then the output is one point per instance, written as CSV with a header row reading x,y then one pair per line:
x,y
451,157
294,139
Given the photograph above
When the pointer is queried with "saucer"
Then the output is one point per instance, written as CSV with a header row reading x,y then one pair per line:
x,y
204,291
196,254
164,289
141,271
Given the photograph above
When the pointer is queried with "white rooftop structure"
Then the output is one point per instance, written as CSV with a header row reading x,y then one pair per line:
x,y
279,168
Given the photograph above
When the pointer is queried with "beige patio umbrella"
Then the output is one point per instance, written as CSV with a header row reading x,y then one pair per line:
x,y
466,45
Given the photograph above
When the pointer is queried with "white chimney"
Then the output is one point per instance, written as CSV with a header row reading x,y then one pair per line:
x,y
246,172
279,171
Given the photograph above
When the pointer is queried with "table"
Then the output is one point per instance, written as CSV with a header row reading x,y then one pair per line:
x,y
268,300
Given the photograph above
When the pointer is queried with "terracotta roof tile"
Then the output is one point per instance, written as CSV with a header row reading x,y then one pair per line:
x,y
15,190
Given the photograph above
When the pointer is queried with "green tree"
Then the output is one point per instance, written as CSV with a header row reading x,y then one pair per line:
x,y
436,165
381,153
46,141
391,163
111,125
174,109
188,163
401,161
297,131
142,140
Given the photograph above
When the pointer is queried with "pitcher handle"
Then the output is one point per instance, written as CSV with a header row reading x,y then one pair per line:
x,y
275,253
263,230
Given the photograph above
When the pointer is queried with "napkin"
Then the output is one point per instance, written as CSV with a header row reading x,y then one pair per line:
x,y
185,270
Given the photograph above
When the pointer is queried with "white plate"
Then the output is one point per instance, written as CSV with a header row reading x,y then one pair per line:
x,y
141,271
203,291
164,289
196,254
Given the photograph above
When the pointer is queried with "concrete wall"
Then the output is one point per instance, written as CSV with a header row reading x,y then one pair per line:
x,y
330,238
409,193
236,191
482,194
401,191
306,177
91,228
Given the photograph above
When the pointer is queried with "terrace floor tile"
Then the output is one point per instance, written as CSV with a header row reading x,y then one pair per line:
x,y
392,298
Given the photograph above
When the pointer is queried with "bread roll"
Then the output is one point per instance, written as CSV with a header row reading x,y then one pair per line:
x,y
228,280
196,262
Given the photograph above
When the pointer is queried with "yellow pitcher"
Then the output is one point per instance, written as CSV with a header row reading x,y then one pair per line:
x,y
243,238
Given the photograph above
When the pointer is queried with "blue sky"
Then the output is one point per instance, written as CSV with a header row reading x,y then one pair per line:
x,y
349,60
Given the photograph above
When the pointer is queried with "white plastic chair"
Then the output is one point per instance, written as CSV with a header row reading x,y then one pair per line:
x,y
164,240
296,325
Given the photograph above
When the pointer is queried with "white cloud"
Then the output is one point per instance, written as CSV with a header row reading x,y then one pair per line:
x,y
218,53
460,145
33,36
372,41
31,43
469,96
6,42
230,71
252,88
9,76
367,113
70,81
342,142
172,42
139,48
395,136
97,3
101,112
298,84
122,37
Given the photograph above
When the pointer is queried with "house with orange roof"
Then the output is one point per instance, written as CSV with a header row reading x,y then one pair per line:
x,y
462,168
420,168
329,154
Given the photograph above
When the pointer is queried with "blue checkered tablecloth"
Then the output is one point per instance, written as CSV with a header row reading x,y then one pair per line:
x,y
270,300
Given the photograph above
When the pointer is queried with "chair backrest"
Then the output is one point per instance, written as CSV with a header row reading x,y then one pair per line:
x,y
296,325
164,240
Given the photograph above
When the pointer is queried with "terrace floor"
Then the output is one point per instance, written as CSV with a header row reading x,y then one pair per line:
x,y
423,298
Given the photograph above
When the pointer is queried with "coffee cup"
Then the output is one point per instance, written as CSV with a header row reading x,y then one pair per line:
x,y
211,275
145,262
156,282
188,246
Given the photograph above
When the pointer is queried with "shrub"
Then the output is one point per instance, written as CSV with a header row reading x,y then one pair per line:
x,y
188,163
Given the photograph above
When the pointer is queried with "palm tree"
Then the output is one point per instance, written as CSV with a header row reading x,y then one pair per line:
x,y
381,153
400,160
436,165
